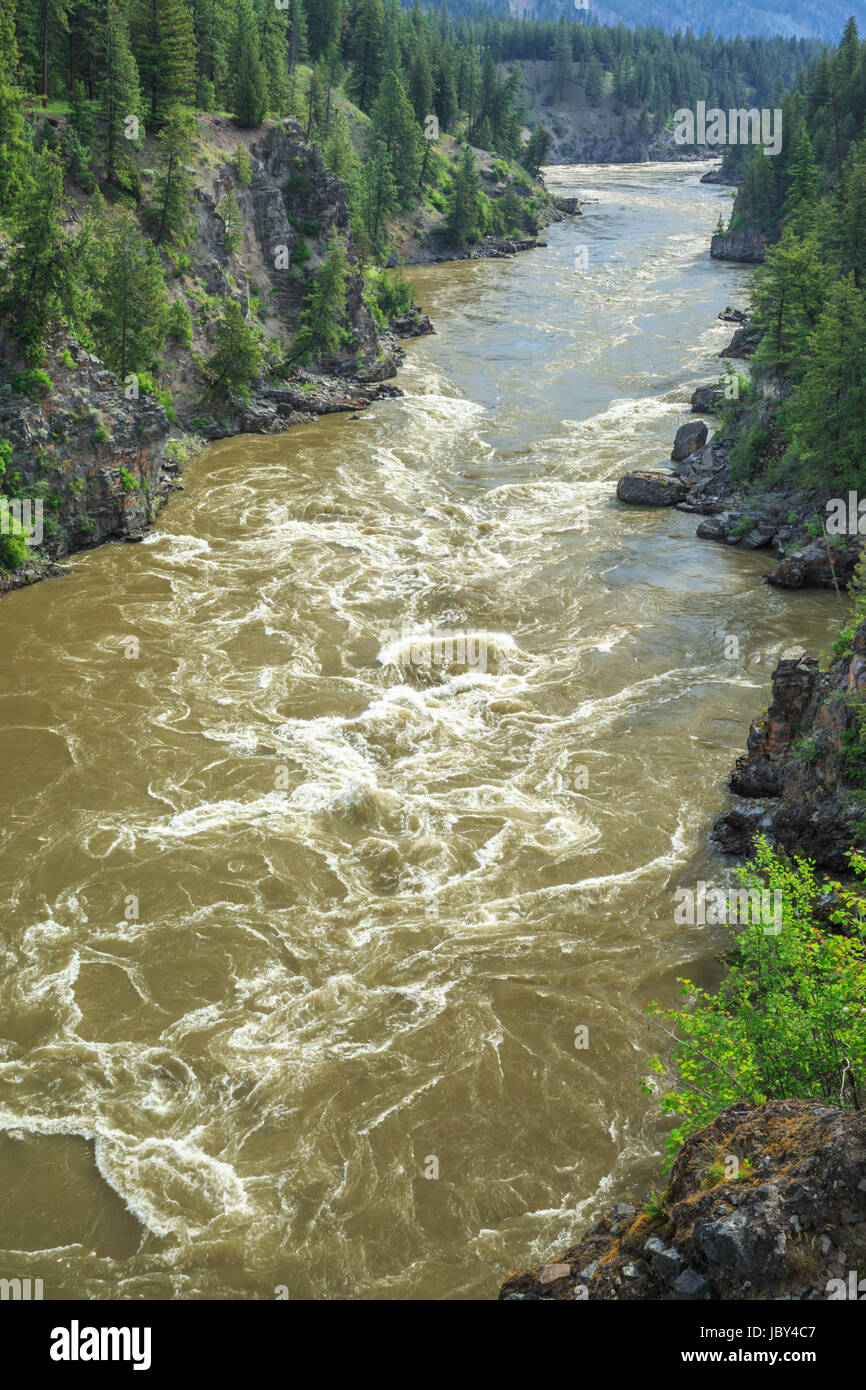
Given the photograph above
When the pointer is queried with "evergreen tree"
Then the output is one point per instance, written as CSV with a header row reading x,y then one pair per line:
x,y
164,48
119,96
802,176
562,57
129,322
325,306
537,150
232,223
237,362
32,281
828,410
787,294
171,205
273,29
250,88
323,21
379,192
394,124
339,152
465,219
367,48
421,84
13,144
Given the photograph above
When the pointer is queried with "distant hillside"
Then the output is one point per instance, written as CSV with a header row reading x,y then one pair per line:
x,y
791,18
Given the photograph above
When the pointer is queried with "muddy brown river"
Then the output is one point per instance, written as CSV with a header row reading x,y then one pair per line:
x,y
331,811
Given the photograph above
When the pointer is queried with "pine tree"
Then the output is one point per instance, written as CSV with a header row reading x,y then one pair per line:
x,y
164,47
537,149
787,295
232,223
367,48
237,362
33,280
379,192
848,224
170,208
250,90
421,83
394,124
323,25
129,322
273,29
325,306
339,152
464,222
828,410
562,57
119,95
13,145
802,176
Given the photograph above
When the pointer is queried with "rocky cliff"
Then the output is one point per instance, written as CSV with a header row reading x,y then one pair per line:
x,y
766,1203
805,763
97,464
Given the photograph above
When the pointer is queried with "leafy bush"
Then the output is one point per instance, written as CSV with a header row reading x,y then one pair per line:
x,y
789,1019
33,382
388,295
13,551
179,323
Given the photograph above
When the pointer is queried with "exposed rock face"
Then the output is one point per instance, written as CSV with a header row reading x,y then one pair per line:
x,y
706,398
651,489
720,175
689,439
819,566
746,246
97,459
743,343
792,1225
799,762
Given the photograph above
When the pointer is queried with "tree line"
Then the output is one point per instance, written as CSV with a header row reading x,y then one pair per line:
x,y
809,298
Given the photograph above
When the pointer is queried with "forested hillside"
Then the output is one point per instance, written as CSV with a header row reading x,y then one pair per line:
x,y
804,411
794,18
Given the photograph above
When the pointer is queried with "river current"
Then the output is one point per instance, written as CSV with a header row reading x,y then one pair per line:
x,y
339,814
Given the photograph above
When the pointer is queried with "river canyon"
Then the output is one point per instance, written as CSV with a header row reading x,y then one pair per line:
x,y
336,808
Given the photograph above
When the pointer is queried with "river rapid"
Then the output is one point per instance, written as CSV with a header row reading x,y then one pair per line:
x,y
331,811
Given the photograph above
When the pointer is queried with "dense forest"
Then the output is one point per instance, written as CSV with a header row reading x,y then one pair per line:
x,y
793,18
804,409
91,93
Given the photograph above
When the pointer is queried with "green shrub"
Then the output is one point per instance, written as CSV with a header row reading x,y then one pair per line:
x,y
789,1018
127,482
179,323
33,382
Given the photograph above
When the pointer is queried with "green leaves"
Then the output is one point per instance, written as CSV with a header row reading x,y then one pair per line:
x,y
789,1018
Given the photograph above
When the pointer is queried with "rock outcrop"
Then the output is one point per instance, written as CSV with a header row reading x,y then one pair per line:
x,y
765,1203
689,438
746,246
656,489
98,464
804,762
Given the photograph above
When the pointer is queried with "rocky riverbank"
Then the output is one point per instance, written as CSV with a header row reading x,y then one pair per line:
x,y
765,1203
101,456
782,518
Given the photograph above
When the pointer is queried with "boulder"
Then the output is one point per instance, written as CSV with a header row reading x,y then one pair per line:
x,y
705,399
655,489
791,1224
689,438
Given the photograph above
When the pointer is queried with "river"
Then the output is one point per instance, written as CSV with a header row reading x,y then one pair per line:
x,y
330,812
